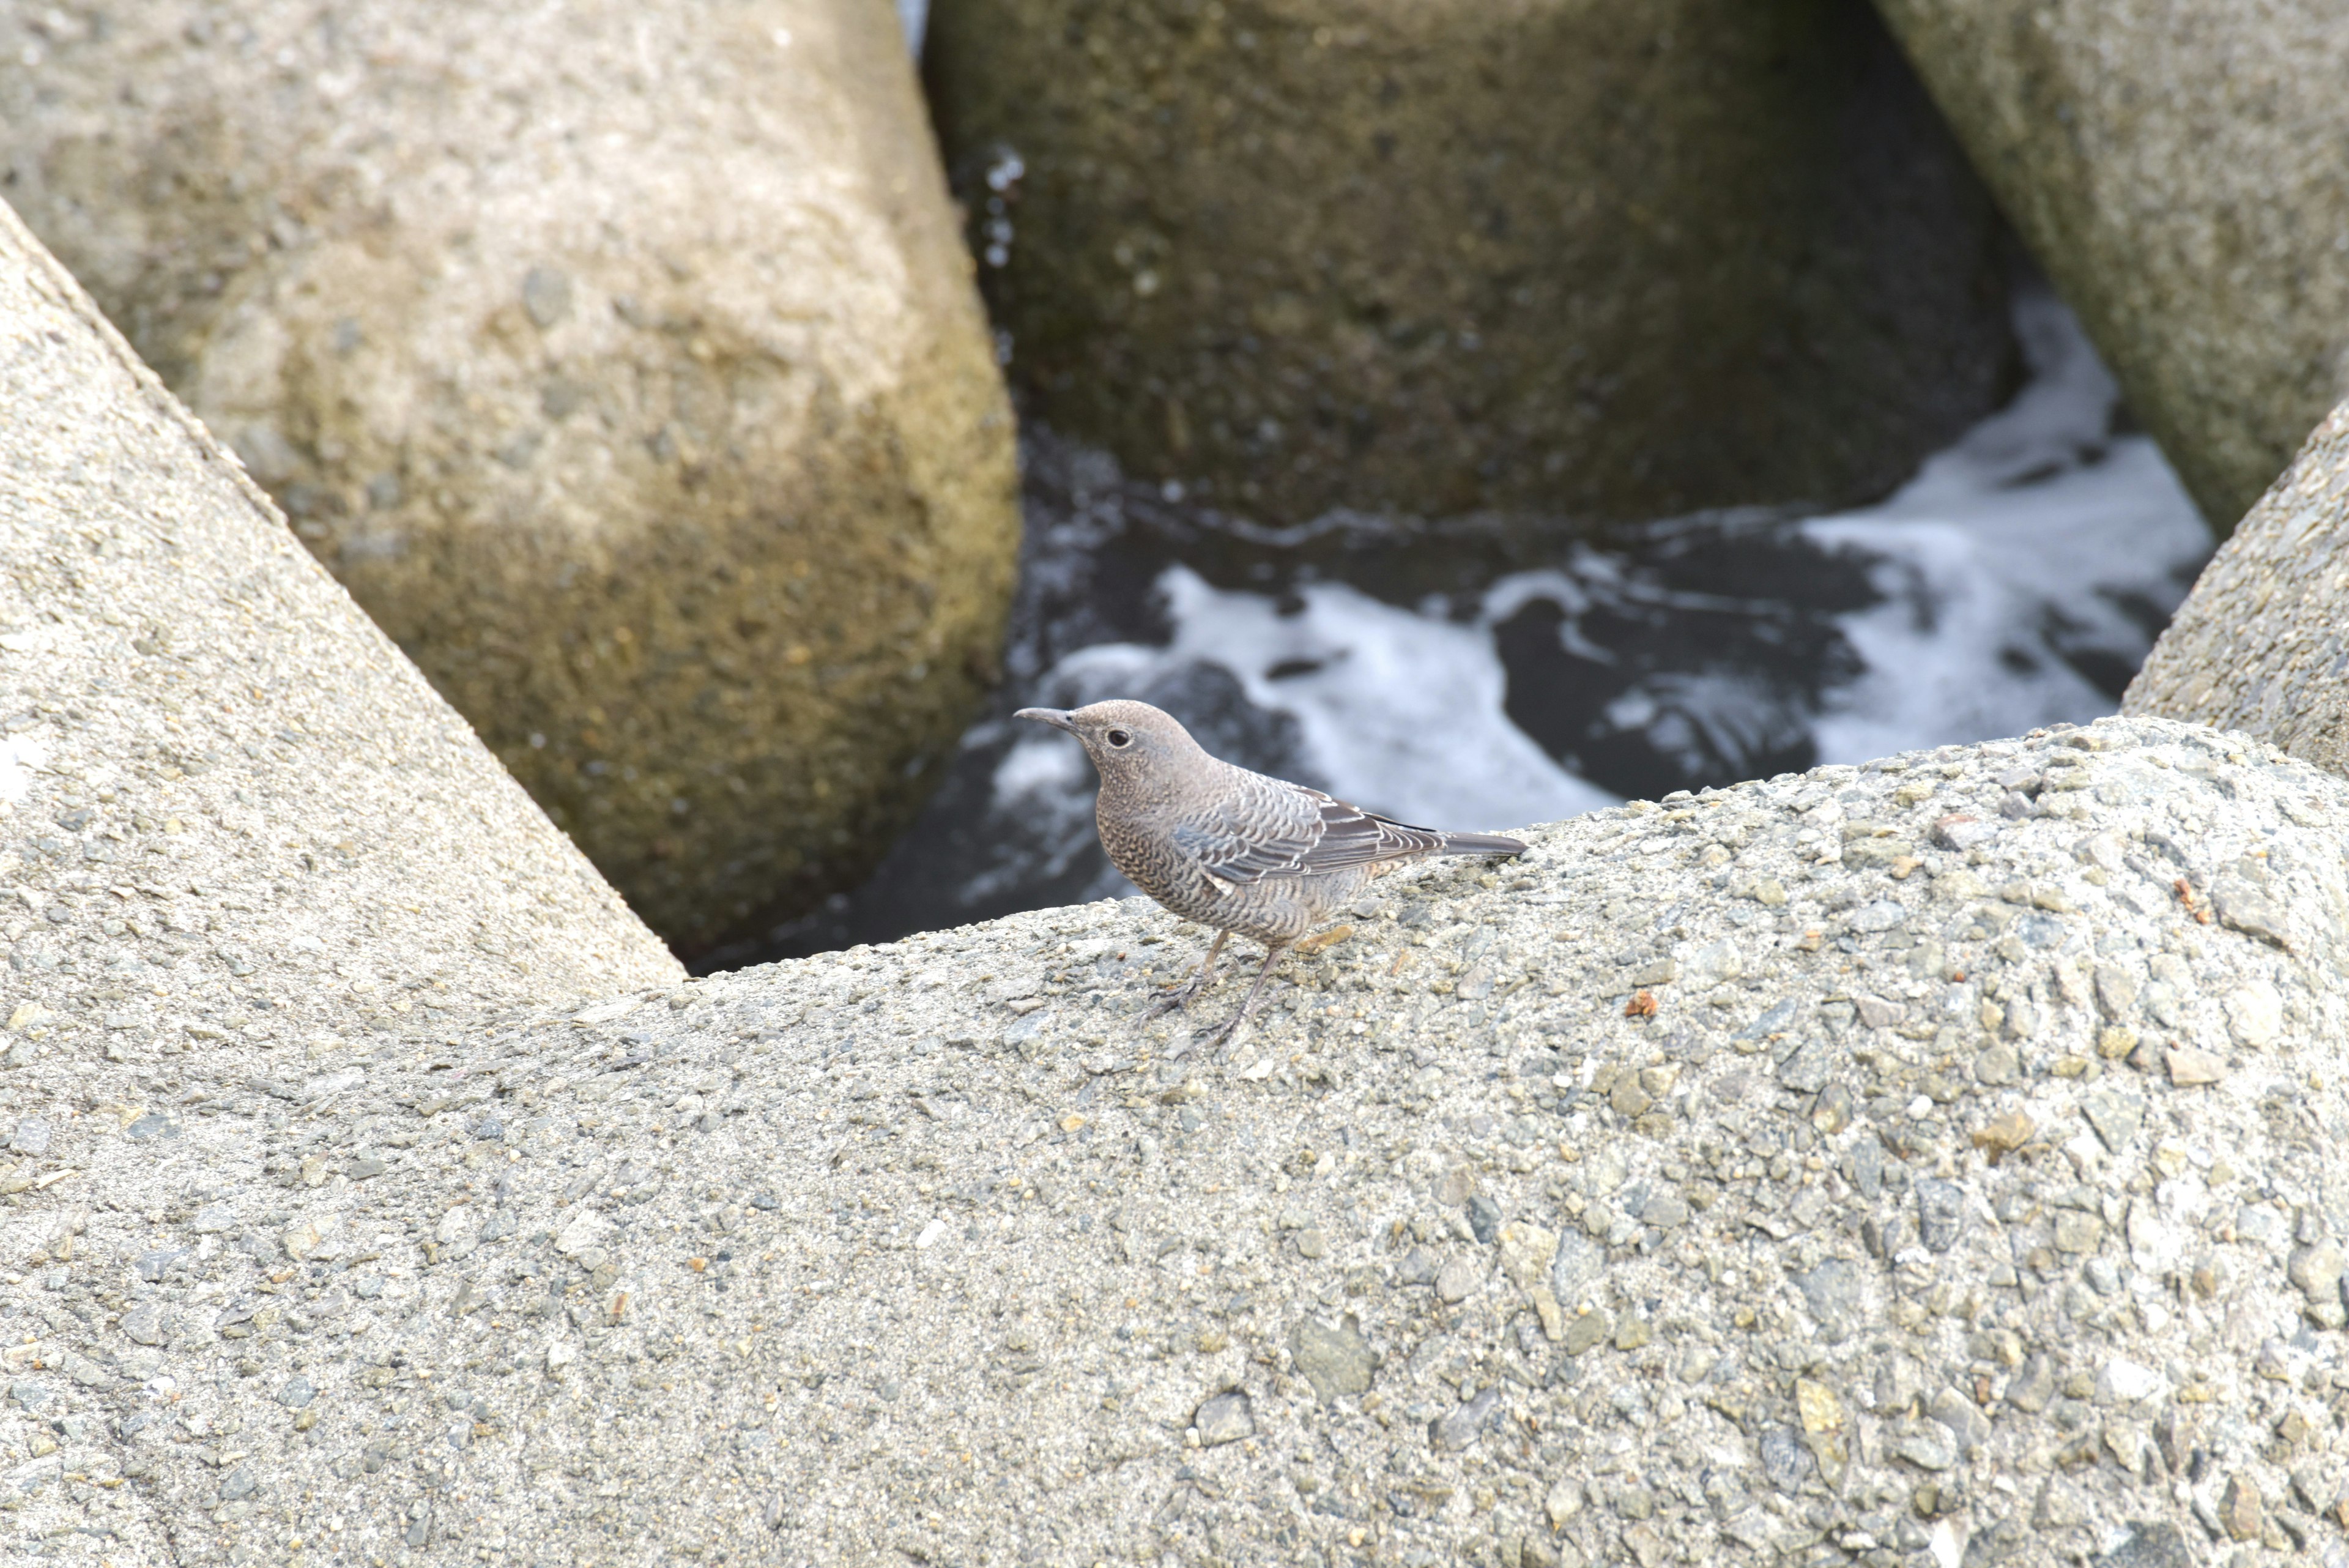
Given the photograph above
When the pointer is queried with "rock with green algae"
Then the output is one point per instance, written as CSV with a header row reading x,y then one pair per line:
x,y
2175,168
1561,263
622,360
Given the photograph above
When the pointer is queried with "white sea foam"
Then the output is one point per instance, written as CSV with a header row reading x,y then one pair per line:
x,y
1399,711
2036,533
2032,532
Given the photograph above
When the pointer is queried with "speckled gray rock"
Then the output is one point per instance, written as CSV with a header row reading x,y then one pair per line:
x,y
2263,642
621,358
944,1252
237,829
2175,166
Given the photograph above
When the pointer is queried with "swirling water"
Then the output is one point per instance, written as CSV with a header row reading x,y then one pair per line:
x,y
1438,674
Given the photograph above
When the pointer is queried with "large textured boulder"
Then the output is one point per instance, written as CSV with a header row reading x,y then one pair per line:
x,y
2263,642
2177,169
1929,1163
1580,262
236,827
622,360
233,815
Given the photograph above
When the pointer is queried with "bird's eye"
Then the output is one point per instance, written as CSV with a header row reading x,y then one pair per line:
x,y
1120,738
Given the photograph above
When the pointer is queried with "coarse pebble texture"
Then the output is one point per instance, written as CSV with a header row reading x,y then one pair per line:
x,y
1574,263
237,827
2175,167
622,359
2263,642
1933,1163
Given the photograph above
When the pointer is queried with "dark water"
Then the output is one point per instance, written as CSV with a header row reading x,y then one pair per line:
x,y
1467,674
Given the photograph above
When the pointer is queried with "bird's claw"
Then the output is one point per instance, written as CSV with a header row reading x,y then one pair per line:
x,y
1224,1036
1177,996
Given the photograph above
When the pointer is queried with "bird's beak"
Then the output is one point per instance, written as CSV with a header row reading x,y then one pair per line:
x,y
1056,717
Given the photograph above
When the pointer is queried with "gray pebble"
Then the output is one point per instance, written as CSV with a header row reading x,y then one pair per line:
x,y
144,1324
1835,1292
2033,1386
1465,1423
1225,1418
1335,1359
1940,1213
1458,1278
2150,1544
1925,1443
153,1264
1785,1461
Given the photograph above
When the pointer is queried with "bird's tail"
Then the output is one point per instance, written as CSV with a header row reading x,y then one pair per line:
x,y
1480,844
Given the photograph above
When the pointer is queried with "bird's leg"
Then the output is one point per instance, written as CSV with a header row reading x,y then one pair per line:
x,y
1175,996
1230,1031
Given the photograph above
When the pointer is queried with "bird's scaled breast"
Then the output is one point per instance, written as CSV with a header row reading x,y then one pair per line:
x,y
1147,857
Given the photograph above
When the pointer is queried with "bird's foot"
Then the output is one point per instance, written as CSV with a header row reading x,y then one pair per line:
x,y
1227,1034
1177,996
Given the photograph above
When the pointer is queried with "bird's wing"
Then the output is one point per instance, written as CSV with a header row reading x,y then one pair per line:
x,y
1288,830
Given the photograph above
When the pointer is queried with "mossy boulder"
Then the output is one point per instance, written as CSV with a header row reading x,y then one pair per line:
x,y
233,821
1578,262
623,361
2177,169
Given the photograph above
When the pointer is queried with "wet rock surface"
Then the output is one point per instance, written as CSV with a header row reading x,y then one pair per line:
x,y
2260,644
1573,265
639,391
2175,169
1743,1174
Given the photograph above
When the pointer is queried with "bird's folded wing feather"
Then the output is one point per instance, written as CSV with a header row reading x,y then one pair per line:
x,y
1288,830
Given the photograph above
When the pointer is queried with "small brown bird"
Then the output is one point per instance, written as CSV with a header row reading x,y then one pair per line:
x,y
1230,848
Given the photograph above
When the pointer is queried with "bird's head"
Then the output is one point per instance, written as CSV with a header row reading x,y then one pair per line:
x,y
1125,739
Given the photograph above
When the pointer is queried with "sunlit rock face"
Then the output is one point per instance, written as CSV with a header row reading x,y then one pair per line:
x,y
233,819
1936,1158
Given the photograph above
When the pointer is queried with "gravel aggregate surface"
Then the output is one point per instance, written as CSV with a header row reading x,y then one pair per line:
x,y
242,842
2259,644
1929,1163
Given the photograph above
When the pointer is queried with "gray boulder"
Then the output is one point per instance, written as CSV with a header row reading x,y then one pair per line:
x,y
232,816
621,359
2260,644
243,847
1563,262
1986,1209
2175,167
